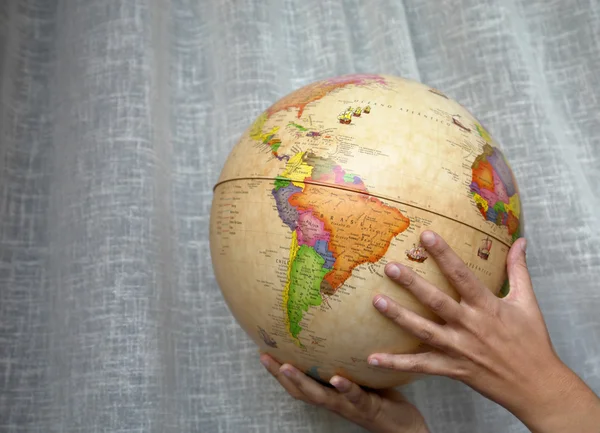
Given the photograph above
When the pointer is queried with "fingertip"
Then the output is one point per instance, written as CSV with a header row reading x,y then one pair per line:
x,y
517,251
428,238
392,270
340,383
380,303
288,371
265,360
523,244
373,360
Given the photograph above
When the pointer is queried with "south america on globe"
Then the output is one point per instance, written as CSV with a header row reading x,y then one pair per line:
x,y
328,185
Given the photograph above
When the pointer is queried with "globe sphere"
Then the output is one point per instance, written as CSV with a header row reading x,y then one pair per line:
x,y
328,185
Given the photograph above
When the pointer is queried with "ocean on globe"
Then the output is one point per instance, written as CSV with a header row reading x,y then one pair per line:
x,y
328,185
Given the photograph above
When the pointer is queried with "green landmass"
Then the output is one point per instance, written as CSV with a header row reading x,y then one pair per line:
x,y
349,178
299,127
321,166
499,207
305,283
281,182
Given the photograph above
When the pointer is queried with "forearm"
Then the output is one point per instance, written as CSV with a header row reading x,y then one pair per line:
x,y
568,405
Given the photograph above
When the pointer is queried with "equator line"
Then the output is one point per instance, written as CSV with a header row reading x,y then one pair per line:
x,y
382,197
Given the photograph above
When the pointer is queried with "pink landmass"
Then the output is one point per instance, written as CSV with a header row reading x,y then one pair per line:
x,y
500,189
310,229
489,196
339,175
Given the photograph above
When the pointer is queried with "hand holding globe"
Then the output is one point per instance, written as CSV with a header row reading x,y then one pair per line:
x,y
499,347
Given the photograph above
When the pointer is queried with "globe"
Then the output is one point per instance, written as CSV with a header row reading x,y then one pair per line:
x,y
328,185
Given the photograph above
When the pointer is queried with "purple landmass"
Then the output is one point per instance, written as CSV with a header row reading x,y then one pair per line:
x,y
498,162
475,188
322,249
287,212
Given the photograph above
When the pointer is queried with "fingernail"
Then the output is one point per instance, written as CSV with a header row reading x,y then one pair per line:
x,y
288,373
380,304
392,270
373,361
524,245
428,238
264,362
340,384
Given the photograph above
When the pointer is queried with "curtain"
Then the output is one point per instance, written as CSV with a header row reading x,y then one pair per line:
x,y
116,117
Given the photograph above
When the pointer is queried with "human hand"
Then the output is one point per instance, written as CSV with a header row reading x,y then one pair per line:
x,y
499,347
380,412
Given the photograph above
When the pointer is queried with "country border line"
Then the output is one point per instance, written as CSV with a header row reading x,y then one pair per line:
x,y
382,197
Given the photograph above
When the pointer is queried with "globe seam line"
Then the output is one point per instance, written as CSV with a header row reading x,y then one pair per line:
x,y
382,197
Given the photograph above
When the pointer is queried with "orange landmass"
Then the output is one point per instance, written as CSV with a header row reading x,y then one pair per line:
x,y
315,91
483,175
512,223
361,227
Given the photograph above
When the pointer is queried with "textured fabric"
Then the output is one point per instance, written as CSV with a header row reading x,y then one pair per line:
x,y
115,119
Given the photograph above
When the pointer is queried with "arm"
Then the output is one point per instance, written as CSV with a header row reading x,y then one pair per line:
x,y
499,347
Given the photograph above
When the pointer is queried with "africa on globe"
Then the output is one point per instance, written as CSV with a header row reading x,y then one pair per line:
x,y
328,185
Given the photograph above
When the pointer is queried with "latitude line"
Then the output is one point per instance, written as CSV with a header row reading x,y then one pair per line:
x,y
369,194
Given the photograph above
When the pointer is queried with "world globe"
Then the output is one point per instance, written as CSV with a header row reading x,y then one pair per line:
x,y
328,185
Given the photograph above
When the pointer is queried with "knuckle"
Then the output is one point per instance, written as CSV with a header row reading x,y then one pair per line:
x,y
425,335
408,279
355,399
296,395
459,372
460,275
521,263
416,366
441,249
319,400
335,406
437,305
394,313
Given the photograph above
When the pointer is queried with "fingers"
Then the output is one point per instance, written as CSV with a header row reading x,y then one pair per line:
x,y
454,269
433,363
425,330
273,367
348,397
518,274
301,387
353,393
315,393
428,294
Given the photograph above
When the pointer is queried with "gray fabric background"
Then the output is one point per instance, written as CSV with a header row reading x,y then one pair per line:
x,y
115,119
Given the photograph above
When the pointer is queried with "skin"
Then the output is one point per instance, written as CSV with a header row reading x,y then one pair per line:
x,y
500,347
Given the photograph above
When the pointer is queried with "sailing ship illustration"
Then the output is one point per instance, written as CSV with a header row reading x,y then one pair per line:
x,y
345,117
485,248
417,254
267,338
456,120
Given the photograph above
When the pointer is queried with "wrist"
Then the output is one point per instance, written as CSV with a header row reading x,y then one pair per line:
x,y
564,403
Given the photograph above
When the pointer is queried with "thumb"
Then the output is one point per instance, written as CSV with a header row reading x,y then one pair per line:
x,y
518,273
